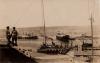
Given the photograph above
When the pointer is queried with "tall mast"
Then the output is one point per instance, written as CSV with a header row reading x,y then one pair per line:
x,y
91,20
91,13
43,18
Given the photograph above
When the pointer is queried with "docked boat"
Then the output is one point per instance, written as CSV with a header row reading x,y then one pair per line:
x,y
27,37
63,37
53,48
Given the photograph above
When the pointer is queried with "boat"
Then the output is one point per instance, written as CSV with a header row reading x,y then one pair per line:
x,y
53,48
24,37
88,49
63,37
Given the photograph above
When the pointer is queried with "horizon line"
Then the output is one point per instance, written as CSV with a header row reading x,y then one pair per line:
x,y
50,26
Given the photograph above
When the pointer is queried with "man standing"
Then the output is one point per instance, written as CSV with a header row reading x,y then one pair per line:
x,y
8,35
14,36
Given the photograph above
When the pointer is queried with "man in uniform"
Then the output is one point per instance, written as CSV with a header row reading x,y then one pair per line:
x,y
14,36
8,35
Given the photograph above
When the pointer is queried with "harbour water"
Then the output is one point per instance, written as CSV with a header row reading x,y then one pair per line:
x,y
52,32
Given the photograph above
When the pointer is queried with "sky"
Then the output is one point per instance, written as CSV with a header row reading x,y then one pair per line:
x,y
28,13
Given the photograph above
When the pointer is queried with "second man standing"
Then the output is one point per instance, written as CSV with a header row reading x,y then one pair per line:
x,y
14,35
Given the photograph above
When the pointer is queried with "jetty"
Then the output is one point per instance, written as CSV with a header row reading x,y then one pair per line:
x,y
9,54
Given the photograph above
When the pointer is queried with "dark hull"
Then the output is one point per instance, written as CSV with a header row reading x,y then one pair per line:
x,y
64,38
32,37
53,49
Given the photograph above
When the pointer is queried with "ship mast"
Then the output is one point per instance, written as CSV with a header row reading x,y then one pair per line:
x,y
43,19
91,13
91,20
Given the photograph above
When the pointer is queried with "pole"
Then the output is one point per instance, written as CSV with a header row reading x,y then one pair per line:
x,y
91,20
43,18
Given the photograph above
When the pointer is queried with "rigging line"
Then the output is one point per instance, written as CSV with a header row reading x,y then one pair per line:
x,y
94,4
92,25
43,19
89,8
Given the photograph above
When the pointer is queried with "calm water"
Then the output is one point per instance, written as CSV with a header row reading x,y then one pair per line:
x,y
51,32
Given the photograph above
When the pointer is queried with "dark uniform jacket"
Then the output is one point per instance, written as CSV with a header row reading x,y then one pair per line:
x,y
8,35
14,34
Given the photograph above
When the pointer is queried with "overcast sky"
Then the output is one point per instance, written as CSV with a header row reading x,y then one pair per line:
x,y
28,13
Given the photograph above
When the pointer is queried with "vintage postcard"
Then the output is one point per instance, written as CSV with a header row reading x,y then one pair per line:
x,y
49,31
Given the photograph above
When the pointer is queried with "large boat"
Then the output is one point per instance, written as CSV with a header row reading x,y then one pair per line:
x,y
27,37
53,48
63,37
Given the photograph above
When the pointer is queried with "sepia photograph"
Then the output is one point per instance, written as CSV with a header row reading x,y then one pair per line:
x,y
49,31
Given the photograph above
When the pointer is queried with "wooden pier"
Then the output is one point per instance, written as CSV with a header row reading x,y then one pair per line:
x,y
8,54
